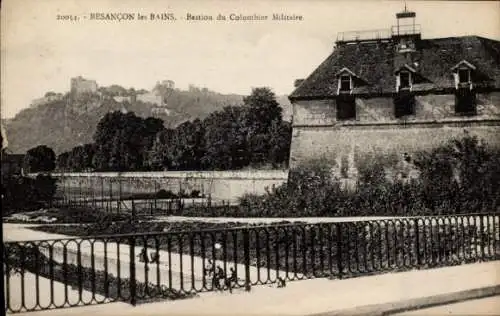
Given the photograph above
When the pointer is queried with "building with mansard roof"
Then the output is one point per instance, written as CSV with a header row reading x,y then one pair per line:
x,y
394,92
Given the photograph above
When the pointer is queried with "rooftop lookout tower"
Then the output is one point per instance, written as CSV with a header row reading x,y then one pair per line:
x,y
405,29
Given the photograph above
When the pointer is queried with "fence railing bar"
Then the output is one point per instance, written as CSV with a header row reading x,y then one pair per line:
x,y
132,275
248,255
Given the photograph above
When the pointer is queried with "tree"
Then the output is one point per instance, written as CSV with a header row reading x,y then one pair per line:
x,y
152,126
62,161
280,137
232,138
264,112
464,171
103,137
40,159
186,147
226,144
50,94
25,193
80,158
158,156
123,140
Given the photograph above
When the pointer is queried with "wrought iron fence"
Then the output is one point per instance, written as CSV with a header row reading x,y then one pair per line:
x,y
147,197
137,268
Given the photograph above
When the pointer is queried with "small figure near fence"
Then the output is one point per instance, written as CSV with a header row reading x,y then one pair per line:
x,y
220,275
155,257
281,282
233,279
143,255
209,269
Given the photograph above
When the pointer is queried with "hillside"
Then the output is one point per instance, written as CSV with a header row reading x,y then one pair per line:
x,y
70,121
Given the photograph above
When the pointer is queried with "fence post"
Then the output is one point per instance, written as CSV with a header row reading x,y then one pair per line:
x,y
133,294
155,195
246,251
63,180
93,188
102,194
133,211
80,202
110,196
339,249
119,206
417,242
330,251
179,205
481,235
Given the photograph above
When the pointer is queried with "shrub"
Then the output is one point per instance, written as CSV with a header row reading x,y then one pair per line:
x,y
372,168
195,194
462,176
163,194
24,194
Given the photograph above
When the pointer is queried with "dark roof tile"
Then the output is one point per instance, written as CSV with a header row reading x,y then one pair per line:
x,y
375,63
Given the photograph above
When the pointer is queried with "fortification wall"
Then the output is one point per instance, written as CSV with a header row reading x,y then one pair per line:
x,y
318,134
332,143
226,185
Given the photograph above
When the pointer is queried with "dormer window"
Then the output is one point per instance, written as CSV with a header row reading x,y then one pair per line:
x,y
462,73
464,76
404,80
345,83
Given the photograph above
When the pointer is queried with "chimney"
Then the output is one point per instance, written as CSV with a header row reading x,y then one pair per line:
x,y
298,82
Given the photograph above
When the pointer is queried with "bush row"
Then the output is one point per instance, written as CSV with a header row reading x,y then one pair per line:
x,y
460,177
167,194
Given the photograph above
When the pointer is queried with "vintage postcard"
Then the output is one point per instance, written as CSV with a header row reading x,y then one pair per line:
x,y
217,157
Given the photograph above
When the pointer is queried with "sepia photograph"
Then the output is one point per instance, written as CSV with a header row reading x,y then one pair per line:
x,y
258,157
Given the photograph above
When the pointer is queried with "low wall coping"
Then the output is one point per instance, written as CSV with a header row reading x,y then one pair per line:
x,y
185,175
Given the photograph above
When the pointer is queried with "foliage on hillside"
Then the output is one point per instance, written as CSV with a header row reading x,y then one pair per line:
x,y
71,121
57,124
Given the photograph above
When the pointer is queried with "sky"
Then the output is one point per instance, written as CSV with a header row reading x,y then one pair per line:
x,y
40,53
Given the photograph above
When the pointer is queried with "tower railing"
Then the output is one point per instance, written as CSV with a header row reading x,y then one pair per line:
x,y
406,29
365,35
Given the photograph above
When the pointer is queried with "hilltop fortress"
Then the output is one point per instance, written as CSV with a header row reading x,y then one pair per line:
x,y
80,87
